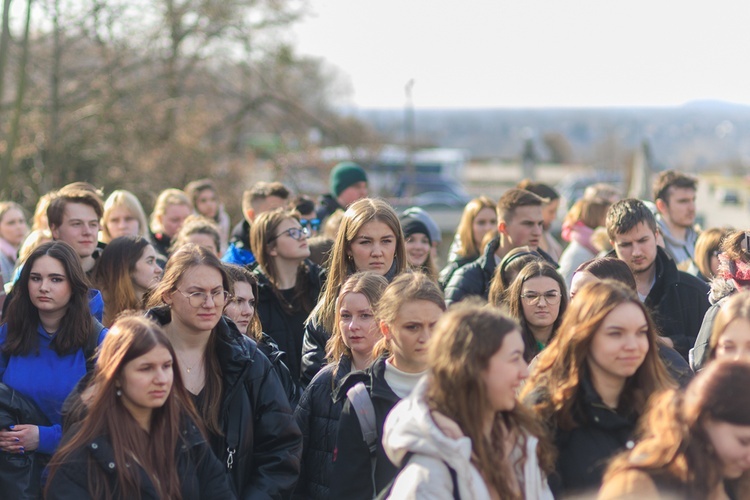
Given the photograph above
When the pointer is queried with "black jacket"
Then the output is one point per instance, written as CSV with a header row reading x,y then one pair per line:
x,y
450,268
352,467
318,417
313,349
316,336
584,451
475,278
285,328
677,302
291,388
266,464
201,474
328,205
19,474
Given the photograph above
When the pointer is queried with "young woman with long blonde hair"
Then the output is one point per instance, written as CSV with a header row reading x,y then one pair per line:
x,y
369,238
355,332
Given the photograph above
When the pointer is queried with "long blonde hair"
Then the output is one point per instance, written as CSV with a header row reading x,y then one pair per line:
x,y
465,228
406,288
340,265
369,284
127,200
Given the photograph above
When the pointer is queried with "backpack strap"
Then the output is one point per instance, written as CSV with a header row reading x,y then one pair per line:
x,y
385,493
361,402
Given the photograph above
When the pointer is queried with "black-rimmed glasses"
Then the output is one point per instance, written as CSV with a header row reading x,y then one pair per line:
x,y
296,233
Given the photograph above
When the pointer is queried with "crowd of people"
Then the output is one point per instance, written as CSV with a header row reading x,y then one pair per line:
x,y
318,350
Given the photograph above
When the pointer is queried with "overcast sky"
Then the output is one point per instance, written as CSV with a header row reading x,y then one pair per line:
x,y
519,53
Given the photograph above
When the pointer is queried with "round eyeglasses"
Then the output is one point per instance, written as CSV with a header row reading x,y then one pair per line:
x,y
533,298
197,299
296,233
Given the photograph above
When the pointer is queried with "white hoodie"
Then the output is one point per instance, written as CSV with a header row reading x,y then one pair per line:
x,y
409,427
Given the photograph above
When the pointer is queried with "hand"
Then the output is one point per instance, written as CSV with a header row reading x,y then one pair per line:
x,y
21,438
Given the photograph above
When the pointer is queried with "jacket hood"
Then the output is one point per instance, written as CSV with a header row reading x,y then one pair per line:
x,y
409,427
720,288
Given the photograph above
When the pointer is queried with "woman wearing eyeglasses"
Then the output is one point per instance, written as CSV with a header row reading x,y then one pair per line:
x,y
233,385
288,283
537,298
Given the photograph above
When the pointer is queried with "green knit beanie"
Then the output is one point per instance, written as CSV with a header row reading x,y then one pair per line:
x,y
344,175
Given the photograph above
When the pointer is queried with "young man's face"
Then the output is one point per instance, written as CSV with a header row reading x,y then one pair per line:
x,y
637,248
680,207
524,228
79,228
355,192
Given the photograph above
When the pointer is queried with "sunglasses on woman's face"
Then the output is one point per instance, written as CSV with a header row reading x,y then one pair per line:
x,y
311,224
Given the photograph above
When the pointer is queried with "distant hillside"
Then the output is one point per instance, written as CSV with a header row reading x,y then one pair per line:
x,y
696,136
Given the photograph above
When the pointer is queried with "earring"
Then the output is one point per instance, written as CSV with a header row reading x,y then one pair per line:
x,y
119,392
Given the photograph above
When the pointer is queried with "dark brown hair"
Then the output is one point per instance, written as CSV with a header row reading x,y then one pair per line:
x,y
154,451
535,269
113,275
609,268
239,274
672,178
626,214
23,317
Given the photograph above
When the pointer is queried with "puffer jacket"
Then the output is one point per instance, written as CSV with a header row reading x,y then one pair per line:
x,y
451,267
19,474
200,472
352,468
409,428
585,450
291,388
316,337
285,328
266,463
474,279
318,418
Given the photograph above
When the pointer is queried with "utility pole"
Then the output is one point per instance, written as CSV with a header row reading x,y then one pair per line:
x,y
409,136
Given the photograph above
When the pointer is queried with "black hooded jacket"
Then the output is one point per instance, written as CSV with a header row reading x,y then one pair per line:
x,y
267,461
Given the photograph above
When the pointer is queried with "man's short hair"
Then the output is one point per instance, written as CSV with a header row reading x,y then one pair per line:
x,y
672,178
513,199
261,191
539,189
626,214
72,194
